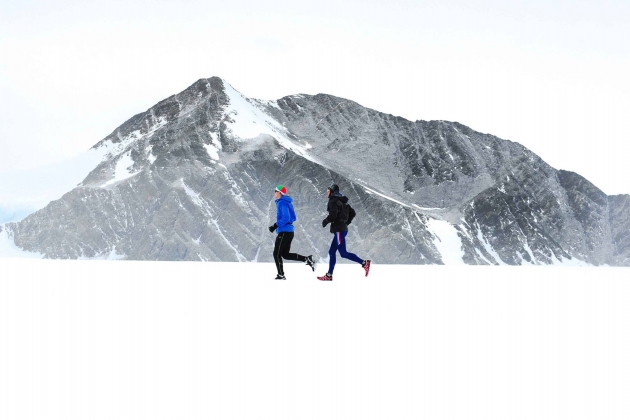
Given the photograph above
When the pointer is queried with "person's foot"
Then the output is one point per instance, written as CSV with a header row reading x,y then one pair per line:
x,y
310,261
280,277
366,266
325,277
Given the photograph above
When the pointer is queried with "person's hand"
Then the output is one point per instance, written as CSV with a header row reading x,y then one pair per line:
x,y
325,222
273,227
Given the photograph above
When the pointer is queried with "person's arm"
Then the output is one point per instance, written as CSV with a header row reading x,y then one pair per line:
x,y
334,208
333,212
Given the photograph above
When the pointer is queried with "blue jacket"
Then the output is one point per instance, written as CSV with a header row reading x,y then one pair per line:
x,y
285,214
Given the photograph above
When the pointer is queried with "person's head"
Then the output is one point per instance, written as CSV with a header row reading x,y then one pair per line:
x,y
280,191
333,189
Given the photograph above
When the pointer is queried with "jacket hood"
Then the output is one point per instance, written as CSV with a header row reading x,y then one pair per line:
x,y
285,198
339,197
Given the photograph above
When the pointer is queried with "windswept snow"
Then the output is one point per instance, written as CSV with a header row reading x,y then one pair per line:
x,y
251,121
426,208
529,251
122,171
212,150
371,191
111,149
151,157
447,241
488,247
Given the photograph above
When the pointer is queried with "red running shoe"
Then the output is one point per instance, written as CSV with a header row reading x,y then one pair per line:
x,y
325,277
366,266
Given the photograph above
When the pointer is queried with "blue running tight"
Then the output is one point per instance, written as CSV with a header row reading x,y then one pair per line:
x,y
339,243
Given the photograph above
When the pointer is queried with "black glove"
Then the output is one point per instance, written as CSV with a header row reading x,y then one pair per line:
x,y
273,227
325,222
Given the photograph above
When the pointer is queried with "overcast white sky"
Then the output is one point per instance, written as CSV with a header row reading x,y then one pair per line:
x,y
551,75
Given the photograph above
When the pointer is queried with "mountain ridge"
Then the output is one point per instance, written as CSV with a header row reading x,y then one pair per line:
x,y
172,171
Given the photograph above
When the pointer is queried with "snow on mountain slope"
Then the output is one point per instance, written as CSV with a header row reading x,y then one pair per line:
x,y
247,121
122,170
447,242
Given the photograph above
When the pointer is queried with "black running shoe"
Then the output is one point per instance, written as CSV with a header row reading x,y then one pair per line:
x,y
280,277
310,261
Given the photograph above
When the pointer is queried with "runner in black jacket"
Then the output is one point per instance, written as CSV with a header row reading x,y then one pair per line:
x,y
340,215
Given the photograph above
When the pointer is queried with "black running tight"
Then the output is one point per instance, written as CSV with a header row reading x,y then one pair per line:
x,y
281,251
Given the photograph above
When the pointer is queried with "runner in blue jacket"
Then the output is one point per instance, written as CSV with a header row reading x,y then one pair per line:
x,y
285,216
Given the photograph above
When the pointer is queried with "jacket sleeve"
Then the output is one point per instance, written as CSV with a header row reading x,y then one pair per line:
x,y
283,215
333,210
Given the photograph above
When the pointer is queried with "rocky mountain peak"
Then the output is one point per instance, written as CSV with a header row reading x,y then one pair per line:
x,y
191,179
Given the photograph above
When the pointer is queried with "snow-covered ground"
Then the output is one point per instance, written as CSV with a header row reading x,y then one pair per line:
x,y
173,340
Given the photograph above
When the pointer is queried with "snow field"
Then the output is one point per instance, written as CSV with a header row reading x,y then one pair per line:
x,y
164,340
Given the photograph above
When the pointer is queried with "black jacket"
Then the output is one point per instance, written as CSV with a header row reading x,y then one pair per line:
x,y
335,213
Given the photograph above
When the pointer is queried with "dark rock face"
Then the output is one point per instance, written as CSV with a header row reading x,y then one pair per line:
x,y
619,216
192,179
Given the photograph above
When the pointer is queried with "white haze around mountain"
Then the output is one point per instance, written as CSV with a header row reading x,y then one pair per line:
x,y
25,191
191,179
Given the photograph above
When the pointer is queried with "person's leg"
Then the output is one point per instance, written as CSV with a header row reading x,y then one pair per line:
x,y
341,239
277,253
332,253
287,247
